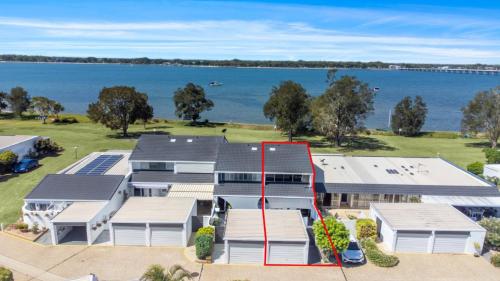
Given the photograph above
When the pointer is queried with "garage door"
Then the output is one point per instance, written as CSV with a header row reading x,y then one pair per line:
x,y
286,253
130,234
246,252
450,242
412,242
166,235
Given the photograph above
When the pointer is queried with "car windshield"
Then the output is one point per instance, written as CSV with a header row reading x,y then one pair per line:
x,y
353,246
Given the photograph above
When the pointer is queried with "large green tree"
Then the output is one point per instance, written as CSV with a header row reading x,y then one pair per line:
x,y
287,106
45,106
191,101
482,114
3,101
144,111
409,116
157,272
118,107
342,109
19,101
337,231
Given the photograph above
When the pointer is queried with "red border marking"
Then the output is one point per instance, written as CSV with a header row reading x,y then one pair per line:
x,y
263,205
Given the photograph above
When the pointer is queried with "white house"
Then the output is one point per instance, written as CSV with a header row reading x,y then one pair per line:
x,y
426,228
19,144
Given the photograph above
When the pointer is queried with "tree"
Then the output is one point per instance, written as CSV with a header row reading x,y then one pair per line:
x,y
42,106
337,231
6,274
118,107
145,111
3,101
7,160
409,116
190,102
492,226
288,105
57,108
19,101
157,272
492,155
343,107
482,114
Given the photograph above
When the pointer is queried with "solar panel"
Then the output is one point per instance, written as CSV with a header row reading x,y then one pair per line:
x,y
100,165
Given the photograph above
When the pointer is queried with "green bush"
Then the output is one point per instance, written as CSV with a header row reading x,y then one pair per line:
x,y
7,161
207,230
204,245
338,233
492,226
5,274
376,256
366,228
492,155
47,146
495,260
476,168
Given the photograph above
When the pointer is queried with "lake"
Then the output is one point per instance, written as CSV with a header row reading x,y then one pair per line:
x,y
245,90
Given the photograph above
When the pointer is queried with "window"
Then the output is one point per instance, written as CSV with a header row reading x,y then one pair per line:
x,y
239,177
158,166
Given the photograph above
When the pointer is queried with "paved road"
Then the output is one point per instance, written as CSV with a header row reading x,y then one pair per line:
x,y
29,270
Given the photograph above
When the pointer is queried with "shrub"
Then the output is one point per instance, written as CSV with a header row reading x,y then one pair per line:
x,y
6,274
338,233
47,146
476,168
65,120
366,228
495,260
207,230
7,160
20,226
204,246
352,217
35,228
492,226
492,155
376,256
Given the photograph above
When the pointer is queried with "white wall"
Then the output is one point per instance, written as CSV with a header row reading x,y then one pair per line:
x,y
206,168
388,234
475,236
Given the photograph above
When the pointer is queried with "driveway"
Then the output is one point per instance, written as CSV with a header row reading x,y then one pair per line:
x,y
128,263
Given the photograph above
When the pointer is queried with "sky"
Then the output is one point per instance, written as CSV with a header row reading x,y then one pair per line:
x,y
425,31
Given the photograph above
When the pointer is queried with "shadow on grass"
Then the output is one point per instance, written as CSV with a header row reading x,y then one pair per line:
x,y
354,143
479,144
135,135
7,177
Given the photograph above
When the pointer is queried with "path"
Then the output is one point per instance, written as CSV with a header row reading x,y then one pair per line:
x,y
35,272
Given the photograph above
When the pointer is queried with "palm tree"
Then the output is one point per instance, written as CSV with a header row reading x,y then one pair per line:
x,y
157,272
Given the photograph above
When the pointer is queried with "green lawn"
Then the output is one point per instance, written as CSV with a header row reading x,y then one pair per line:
x,y
89,137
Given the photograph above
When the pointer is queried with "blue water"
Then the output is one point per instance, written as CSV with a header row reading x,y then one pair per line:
x,y
245,90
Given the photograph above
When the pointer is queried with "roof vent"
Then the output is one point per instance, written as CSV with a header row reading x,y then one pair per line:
x,y
272,149
172,140
254,148
189,140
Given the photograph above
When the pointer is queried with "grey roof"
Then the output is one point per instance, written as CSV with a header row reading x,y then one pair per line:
x,y
255,189
279,158
171,177
185,148
76,187
407,189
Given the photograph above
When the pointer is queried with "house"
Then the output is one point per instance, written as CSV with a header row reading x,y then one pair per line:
x,y
355,182
426,228
153,221
76,204
21,145
287,239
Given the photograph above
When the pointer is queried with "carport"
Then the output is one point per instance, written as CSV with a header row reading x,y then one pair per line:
x,y
153,221
425,228
287,239
78,224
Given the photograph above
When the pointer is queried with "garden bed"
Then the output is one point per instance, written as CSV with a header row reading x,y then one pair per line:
x,y
27,235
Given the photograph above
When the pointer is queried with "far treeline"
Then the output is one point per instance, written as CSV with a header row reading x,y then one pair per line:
x,y
338,114
233,62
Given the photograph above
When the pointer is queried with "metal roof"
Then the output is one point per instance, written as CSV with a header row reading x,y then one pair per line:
x,y
155,210
7,141
464,201
177,148
76,187
198,191
279,158
281,225
255,189
423,216
170,177
80,212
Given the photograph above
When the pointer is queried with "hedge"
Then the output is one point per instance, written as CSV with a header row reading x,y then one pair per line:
x,y
495,260
204,244
366,228
376,256
5,274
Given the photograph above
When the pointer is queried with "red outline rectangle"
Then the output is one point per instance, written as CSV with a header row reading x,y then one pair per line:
x,y
263,204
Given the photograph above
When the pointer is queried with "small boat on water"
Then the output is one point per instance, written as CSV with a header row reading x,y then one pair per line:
x,y
215,84
376,89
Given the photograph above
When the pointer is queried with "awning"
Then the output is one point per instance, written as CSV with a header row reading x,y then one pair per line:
x,y
197,191
464,201
80,212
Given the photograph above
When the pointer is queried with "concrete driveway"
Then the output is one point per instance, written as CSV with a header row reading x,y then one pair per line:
x,y
128,263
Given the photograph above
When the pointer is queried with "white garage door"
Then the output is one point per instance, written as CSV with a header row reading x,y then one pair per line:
x,y
412,242
130,234
166,235
246,252
450,242
287,253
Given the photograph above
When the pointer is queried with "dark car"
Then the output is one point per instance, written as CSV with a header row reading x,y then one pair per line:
x,y
353,253
25,165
